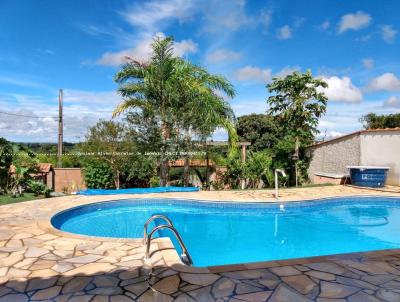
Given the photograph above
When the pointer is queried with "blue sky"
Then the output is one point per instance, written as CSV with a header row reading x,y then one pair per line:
x,y
78,46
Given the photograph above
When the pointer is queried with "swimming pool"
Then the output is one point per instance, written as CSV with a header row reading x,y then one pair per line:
x,y
218,233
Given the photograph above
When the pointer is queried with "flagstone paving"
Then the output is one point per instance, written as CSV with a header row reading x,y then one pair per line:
x,y
39,263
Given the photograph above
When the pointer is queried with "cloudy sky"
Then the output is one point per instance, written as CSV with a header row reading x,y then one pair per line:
x,y
78,46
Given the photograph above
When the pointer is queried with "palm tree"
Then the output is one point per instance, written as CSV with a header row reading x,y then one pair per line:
x,y
183,98
203,107
148,87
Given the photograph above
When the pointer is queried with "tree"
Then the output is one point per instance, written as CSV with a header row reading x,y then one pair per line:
x,y
300,103
6,158
375,121
175,96
98,175
149,88
203,107
263,131
16,162
107,141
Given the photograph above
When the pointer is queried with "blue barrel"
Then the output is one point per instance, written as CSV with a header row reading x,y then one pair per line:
x,y
368,176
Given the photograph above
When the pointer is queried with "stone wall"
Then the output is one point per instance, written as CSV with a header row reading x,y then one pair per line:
x,y
334,156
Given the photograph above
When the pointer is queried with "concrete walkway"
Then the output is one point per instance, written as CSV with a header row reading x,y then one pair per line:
x,y
39,263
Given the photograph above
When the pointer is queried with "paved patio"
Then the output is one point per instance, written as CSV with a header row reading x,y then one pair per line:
x,y
39,263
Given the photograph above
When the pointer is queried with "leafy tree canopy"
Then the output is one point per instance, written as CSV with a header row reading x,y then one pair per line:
x,y
176,99
261,130
299,101
108,142
375,121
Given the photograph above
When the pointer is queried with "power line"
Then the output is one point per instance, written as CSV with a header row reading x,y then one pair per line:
x,y
29,116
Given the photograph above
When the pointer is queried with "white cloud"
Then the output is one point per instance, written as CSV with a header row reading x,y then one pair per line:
x,y
345,117
386,82
253,74
284,33
388,33
355,21
19,81
184,47
393,102
286,71
223,16
327,135
82,97
364,38
368,63
82,109
142,51
325,25
342,90
220,55
149,15
326,124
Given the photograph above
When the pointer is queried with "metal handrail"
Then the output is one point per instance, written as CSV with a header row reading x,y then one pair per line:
x,y
185,256
160,216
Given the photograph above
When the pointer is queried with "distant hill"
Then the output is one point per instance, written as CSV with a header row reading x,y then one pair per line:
x,y
47,147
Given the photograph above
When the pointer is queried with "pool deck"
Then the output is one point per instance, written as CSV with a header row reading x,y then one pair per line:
x,y
40,263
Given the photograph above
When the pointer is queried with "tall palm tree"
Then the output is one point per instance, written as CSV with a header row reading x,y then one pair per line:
x,y
203,107
183,97
147,86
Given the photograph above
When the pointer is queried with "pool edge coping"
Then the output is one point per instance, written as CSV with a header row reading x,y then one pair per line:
x,y
170,254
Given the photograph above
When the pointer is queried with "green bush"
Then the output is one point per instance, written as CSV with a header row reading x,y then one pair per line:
x,y
258,167
98,175
38,188
235,172
154,181
138,172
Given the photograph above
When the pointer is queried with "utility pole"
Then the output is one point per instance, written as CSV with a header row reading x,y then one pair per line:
x,y
60,129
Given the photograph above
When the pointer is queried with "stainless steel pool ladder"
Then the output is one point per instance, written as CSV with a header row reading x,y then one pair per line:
x,y
185,256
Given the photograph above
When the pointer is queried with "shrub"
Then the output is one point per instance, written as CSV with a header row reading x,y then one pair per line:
x,y
98,175
234,173
154,181
138,172
257,168
38,188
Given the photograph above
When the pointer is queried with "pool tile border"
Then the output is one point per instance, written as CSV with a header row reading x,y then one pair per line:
x,y
107,269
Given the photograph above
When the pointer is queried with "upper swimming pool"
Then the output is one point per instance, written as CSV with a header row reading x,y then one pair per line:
x,y
218,233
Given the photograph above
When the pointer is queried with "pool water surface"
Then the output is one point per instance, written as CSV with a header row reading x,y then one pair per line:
x,y
218,233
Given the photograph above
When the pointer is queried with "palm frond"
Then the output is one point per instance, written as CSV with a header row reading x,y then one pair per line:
x,y
129,104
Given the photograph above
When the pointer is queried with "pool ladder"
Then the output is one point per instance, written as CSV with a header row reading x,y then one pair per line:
x,y
147,237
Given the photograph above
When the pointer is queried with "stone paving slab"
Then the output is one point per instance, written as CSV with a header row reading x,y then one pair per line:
x,y
39,263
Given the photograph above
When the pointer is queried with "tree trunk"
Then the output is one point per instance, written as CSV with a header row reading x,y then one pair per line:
x,y
163,172
296,152
207,169
164,160
186,171
116,180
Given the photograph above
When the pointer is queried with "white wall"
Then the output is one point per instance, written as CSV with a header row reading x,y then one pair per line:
x,y
382,149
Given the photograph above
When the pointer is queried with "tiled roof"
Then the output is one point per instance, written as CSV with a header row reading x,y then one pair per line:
x,y
192,163
42,168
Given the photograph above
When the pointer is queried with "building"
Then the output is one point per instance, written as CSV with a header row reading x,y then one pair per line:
x,y
65,180
378,147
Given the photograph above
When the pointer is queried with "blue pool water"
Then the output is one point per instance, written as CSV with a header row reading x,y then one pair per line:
x,y
229,233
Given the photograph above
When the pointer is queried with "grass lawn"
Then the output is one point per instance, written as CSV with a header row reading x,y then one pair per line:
x,y
6,199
